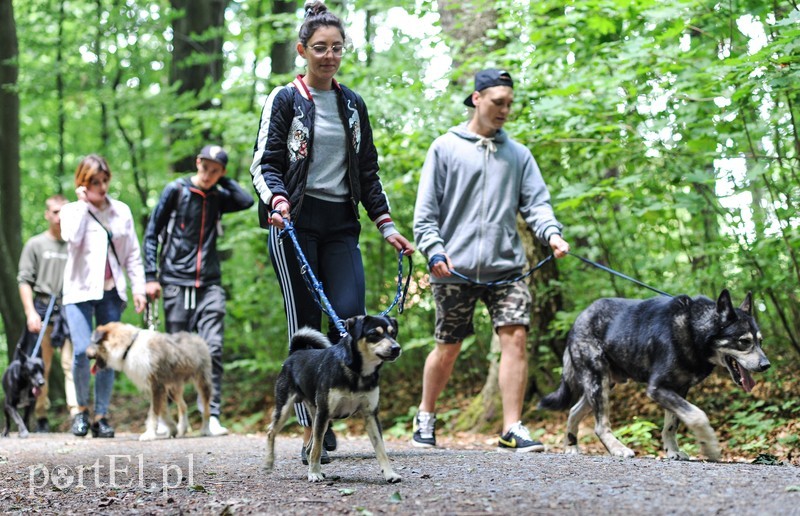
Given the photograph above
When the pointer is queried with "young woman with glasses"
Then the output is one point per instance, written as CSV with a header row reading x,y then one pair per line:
x,y
314,162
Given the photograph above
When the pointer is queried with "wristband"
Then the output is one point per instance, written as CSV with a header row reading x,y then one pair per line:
x,y
436,258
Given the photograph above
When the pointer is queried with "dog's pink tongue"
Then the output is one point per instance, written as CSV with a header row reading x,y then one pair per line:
x,y
747,381
36,392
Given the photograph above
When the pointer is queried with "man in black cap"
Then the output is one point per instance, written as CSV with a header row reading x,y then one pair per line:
x,y
474,182
185,223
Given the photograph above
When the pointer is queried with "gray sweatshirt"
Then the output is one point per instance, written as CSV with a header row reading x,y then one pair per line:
x,y
470,191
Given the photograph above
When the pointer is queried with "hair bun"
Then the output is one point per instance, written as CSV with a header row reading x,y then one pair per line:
x,y
315,9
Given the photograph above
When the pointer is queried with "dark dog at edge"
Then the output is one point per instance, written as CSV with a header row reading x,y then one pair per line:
x,y
335,382
22,383
670,344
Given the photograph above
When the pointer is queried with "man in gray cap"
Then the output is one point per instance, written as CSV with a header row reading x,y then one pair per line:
x,y
185,223
474,182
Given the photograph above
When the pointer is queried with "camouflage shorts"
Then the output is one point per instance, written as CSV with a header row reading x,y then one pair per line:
x,y
509,305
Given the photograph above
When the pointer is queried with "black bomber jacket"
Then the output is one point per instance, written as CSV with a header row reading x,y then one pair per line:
x,y
285,141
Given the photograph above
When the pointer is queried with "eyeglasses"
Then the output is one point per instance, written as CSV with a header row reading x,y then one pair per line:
x,y
322,50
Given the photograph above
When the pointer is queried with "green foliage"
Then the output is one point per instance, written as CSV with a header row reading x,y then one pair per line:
x,y
639,436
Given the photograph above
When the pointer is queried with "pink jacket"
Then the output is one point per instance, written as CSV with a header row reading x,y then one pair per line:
x,y
84,275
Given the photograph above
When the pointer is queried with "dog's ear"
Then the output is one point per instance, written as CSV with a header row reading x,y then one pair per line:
x,y
97,336
22,357
747,304
355,326
725,307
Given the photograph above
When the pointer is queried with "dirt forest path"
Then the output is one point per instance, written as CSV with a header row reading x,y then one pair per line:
x,y
62,474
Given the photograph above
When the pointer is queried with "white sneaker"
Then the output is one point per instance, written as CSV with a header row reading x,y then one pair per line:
x,y
215,428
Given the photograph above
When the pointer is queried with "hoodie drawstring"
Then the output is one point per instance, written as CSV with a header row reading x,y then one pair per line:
x,y
487,144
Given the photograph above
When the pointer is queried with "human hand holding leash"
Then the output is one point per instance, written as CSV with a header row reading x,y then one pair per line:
x,y
440,265
559,246
34,322
278,215
400,243
153,289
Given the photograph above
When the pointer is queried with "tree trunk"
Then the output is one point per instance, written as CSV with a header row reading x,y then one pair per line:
x,y
196,58
283,52
10,237
466,24
547,301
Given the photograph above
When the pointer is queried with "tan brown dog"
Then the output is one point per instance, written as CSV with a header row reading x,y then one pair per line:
x,y
160,364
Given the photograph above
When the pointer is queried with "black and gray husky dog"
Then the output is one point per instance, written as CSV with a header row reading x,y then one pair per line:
x,y
670,344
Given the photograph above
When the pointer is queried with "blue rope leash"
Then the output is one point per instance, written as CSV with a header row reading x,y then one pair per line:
x,y
402,291
318,293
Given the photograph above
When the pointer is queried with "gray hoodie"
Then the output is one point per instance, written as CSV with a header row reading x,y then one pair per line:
x,y
470,191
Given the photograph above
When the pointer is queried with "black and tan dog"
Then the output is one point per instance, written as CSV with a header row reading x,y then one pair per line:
x,y
335,382
22,383
160,364
670,344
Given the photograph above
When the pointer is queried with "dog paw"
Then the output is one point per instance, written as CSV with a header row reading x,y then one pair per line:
x,y
677,455
23,435
315,477
572,450
148,436
205,431
626,453
712,454
392,477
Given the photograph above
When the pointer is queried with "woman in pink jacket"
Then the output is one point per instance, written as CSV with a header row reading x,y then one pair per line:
x,y
102,246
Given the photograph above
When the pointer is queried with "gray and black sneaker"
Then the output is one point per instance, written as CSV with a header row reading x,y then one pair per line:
x,y
518,440
424,430
306,451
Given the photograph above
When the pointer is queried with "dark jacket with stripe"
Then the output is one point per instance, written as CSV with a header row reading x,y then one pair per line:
x,y
186,223
286,140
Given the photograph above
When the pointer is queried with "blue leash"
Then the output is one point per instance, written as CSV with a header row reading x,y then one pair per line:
x,y
318,293
402,291
46,321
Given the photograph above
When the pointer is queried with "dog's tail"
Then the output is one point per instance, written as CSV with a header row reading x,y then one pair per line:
x,y
563,397
308,338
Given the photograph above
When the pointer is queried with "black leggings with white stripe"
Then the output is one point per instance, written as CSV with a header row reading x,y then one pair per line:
x,y
328,235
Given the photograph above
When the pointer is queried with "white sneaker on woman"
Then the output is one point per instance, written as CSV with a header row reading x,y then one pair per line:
x,y
215,428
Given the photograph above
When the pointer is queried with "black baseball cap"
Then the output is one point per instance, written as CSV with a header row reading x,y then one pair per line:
x,y
487,79
214,153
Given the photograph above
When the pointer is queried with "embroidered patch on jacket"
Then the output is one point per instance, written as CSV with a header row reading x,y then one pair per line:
x,y
355,126
297,140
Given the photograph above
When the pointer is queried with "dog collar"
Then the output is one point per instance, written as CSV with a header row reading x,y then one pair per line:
x,y
125,355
